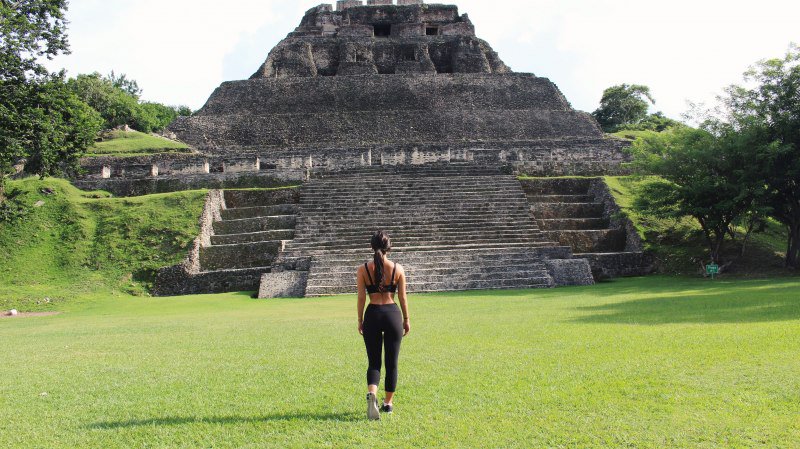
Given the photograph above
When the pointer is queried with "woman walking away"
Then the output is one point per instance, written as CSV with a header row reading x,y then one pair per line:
x,y
383,323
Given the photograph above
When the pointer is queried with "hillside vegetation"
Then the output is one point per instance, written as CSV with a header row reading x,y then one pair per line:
x,y
69,243
679,246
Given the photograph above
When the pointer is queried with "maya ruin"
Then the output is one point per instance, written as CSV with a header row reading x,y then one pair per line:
x,y
398,109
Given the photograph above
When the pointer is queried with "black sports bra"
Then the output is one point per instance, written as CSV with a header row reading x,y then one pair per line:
x,y
372,288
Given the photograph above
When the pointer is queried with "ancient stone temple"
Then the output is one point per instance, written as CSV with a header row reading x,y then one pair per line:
x,y
396,117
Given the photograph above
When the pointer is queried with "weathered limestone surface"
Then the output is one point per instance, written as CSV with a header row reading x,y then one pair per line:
x,y
283,284
582,214
453,228
242,232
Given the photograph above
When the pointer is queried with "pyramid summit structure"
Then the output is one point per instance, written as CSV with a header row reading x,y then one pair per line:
x,y
386,84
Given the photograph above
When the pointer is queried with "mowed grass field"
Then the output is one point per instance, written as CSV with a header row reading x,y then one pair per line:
x,y
636,363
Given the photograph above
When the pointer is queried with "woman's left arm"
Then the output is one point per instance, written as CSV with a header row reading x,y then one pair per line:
x,y
362,299
401,293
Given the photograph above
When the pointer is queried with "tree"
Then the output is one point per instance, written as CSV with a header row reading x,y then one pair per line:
x,y
706,175
771,109
657,122
623,105
39,119
112,97
123,82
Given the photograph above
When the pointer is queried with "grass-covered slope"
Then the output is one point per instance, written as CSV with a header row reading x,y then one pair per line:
x,y
640,363
71,242
680,247
135,143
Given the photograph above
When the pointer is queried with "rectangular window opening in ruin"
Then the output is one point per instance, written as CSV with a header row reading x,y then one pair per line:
x,y
431,31
383,29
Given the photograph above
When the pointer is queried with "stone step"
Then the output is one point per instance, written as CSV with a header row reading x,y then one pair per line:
x,y
333,245
619,264
459,209
405,186
412,172
220,281
415,277
259,211
304,251
590,241
435,199
354,222
557,186
232,239
495,284
319,226
420,268
567,210
560,198
535,254
245,255
458,235
571,223
235,199
343,252
249,225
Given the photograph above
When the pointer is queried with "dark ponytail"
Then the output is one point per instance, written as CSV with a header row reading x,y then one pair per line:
x,y
381,245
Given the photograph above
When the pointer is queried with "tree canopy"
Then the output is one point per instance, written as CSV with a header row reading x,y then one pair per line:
x,y
741,165
40,120
625,104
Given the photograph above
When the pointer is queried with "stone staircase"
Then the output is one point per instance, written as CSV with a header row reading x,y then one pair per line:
x,y
453,227
243,234
581,213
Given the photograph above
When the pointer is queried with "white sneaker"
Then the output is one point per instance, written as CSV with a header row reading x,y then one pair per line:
x,y
373,413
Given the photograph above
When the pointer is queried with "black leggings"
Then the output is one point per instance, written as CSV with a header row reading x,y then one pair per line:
x,y
383,325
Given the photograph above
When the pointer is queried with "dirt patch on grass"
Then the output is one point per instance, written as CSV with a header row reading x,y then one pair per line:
x,y
27,315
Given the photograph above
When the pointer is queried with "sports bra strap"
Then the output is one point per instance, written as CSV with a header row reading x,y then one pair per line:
x,y
369,276
394,270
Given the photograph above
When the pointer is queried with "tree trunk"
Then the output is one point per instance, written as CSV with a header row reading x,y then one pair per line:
x,y
793,249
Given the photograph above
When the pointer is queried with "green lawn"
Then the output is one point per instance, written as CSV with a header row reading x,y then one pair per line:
x,y
637,363
134,143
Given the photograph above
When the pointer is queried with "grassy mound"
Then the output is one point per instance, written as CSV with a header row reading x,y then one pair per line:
x,y
71,242
653,362
134,143
680,247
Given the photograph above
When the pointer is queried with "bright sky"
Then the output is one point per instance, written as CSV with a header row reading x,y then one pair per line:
x,y
180,50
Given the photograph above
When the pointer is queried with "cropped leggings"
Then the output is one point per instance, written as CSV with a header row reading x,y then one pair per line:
x,y
383,326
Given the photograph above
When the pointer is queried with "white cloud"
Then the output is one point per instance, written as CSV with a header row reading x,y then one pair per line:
x,y
180,50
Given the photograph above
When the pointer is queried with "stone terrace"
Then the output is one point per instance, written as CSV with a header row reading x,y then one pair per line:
x,y
453,228
581,213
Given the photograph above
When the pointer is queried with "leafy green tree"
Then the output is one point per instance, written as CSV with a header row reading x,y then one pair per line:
x,y
704,175
657,122
123,82
625,104
115,105
770,107
40,121
114,99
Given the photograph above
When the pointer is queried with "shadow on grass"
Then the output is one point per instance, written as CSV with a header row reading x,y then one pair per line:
x,y
758,302
180,420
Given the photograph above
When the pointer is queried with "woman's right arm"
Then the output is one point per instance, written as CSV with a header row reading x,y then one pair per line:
x,y
362,299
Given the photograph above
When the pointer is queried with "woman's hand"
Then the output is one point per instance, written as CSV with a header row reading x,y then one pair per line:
x,y
361,327
406,327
